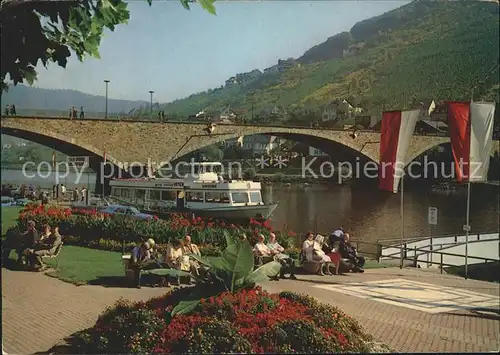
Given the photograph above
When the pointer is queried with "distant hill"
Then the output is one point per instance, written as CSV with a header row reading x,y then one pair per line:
x,y
424,50
32,98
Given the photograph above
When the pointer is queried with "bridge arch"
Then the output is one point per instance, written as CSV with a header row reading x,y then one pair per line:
x,y
61,143
326,144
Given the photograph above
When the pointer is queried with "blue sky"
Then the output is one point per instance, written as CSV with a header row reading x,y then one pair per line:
x,y
177,52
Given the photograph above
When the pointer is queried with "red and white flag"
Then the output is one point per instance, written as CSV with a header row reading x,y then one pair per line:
x,y
471,133
395,137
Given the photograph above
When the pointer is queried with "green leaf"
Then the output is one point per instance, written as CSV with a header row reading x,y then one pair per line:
x,y
239,260
264,272
229,239
185,3
208,5
185,307
200,259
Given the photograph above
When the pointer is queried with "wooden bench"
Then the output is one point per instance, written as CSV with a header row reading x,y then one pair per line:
x,y
129,273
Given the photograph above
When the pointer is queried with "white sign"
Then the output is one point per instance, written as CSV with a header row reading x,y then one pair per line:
x,y
80,162
432,217
466,228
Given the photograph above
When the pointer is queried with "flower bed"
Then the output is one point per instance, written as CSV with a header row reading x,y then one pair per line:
x,y
248,321
103,231
225,313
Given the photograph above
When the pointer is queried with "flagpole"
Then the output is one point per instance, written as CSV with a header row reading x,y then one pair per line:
x,y
402,219
467,215
102,175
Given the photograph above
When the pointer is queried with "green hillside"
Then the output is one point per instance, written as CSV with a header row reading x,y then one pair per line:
x,y
423,50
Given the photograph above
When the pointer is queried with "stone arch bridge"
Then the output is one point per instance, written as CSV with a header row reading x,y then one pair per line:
x,y
126,142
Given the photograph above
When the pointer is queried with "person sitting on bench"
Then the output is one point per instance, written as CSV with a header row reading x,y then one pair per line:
x,y
49,241
349,252
191,248
140,257
27,240
287,263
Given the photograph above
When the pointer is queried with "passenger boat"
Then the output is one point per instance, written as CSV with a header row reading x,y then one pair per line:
x,y
202,191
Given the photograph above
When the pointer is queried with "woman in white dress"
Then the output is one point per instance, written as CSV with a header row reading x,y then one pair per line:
x,y
313,253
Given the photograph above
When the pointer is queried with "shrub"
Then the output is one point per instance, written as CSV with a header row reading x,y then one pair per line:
x,y
247,321
125,329
90,228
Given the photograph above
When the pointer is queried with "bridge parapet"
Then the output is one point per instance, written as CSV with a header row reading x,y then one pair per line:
x,y
143,141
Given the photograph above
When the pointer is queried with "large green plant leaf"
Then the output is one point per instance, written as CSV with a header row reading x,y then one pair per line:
x,y
185,307
264,272
229,239
240,261
200,259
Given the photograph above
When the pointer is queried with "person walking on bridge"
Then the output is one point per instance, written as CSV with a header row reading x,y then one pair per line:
x,y
82,114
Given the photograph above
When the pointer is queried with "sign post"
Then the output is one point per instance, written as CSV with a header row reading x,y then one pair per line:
x,y
432,220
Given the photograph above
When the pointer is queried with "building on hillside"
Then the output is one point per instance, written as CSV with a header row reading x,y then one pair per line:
x,y
223,115
287,64
329,113
7,146
257,144
249,76
231,82
273,69
315,152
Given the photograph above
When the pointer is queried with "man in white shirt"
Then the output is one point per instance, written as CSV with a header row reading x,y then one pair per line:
x,y
287,263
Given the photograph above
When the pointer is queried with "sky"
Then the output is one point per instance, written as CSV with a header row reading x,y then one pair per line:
x,y
177,52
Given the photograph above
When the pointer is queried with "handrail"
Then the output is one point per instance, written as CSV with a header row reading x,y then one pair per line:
x,y
443,253
397,241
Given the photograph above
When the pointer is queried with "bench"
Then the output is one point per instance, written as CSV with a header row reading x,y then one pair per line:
x,y
313,267
55,255
129,273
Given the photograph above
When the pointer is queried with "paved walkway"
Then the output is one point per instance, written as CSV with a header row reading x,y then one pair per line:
x,y
409,310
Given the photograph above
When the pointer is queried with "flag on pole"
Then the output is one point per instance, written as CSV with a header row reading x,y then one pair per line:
x,y
471,133
54,160
431,108
395,137
105,157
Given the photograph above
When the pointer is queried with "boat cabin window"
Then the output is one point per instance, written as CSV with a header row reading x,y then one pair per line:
x,y
240,197
201,169
216,197
125,193
140,194
154,194
194,196
168,195
255,196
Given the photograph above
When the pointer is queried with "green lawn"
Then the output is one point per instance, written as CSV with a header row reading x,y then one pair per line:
x,y
9,216
80,265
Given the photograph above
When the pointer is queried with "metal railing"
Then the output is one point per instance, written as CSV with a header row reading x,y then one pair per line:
x,y
441,263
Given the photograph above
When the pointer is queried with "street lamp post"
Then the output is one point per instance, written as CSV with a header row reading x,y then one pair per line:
x,y
151,92
106,110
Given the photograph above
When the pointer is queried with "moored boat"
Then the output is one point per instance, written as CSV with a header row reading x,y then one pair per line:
x,y
202,191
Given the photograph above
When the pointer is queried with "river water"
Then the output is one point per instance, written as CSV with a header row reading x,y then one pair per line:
x,y
369,214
